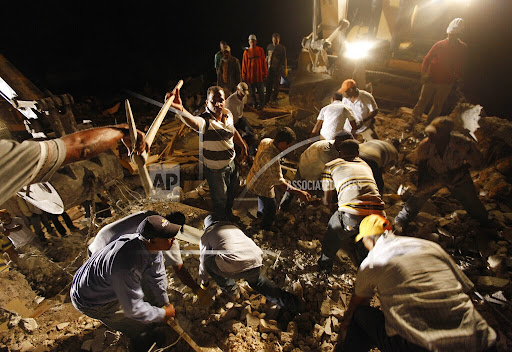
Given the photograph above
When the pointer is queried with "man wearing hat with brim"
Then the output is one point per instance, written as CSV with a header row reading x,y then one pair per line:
x,y
235,103
364,107
442,66
108,286
422,294
443,160
254,71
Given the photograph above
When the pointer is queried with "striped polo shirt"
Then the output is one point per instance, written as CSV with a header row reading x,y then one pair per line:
x,y
353,181
218,148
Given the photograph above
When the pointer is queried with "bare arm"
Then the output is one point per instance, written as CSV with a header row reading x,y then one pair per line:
x,y
326,199
241,143
196,123
317,128
185,277
355,301
88,143
305,196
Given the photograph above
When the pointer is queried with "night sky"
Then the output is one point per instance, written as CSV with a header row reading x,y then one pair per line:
x,y
86,48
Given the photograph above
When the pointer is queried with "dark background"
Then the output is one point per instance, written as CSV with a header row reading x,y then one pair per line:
x,y
86,48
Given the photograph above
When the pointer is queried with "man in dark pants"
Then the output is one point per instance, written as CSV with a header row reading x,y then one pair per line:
x,y
422,294
277,66
358,196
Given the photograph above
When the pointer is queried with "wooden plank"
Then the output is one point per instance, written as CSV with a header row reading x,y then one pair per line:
x,y
174,324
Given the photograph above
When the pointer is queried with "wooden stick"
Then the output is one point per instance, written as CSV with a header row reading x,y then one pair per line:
x,y
174,324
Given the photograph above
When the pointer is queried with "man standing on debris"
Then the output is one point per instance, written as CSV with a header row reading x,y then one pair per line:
x,y
422,293
219,55
32,162
228,73
254,71
332,119
109,286
235,103
15,229
358,197
266,174
217,138
364,107
443,160
443,65
277,67
227,254
172,257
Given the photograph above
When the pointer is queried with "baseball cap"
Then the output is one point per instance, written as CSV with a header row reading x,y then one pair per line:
x,y
346,85
439,124
456,26
252,37
373,225
156,226
243,87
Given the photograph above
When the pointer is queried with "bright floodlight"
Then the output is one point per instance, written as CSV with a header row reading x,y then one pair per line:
x,y
358,50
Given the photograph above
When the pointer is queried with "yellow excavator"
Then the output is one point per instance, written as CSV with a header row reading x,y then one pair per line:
x,y
379,43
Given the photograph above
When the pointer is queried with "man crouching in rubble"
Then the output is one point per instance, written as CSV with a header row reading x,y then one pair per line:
x,y
422,293
109,286
443,160
227,254
358,196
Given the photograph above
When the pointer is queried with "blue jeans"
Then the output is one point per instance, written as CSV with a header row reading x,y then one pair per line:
x,y
463,190
341,232
367,330
223,185
260,101
267,208
256,280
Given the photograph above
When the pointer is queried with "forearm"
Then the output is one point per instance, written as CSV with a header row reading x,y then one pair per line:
x,y
194,122
355,302
88,143
185,277
316,129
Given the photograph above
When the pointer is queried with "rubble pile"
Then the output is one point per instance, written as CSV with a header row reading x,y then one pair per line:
x,y
249,323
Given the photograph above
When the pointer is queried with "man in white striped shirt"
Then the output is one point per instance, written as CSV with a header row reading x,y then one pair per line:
x,y
422,293
217,138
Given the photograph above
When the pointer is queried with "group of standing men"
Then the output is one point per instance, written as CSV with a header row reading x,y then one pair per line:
x,y
256,69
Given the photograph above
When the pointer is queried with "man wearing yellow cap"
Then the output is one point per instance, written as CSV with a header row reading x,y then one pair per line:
x,y
422,294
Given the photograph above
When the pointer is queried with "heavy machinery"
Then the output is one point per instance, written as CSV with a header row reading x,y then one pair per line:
x,y
382,42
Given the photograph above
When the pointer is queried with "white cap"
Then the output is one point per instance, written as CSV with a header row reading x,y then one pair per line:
x,y
456,26
252,37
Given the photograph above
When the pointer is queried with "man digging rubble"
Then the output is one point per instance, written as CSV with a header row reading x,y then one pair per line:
x,y
172,257
333,117
422,294
227,254
358,196
218,136
443,160
116,284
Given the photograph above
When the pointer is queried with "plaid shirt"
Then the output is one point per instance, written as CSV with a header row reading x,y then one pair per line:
x,y
266,171
422,295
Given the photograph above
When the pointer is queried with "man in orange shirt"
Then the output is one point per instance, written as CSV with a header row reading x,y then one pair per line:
x,y
254,71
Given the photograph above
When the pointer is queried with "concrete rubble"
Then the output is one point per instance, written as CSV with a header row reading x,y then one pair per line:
x,y
291,251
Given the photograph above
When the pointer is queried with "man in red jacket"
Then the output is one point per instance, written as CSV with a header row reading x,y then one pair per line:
x,y
443,65
254,71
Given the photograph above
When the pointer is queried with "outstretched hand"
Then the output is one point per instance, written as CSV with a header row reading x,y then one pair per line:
x,y
175,95
140,145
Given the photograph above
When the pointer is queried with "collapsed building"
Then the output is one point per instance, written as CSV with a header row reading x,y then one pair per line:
x,y
35,311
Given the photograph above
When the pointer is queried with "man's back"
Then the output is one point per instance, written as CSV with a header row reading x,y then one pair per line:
x,y
334,117
381,152
313,159
422,294
353,181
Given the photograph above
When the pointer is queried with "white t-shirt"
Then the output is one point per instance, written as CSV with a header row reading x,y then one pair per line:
x,y
235,105
362,107
334,117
